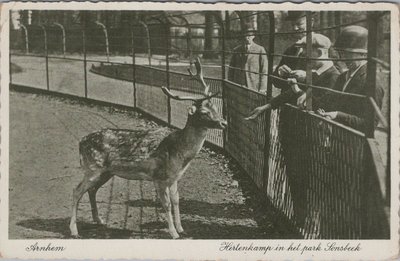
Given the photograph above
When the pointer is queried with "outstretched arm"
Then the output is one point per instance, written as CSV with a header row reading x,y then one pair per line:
x,y
257,111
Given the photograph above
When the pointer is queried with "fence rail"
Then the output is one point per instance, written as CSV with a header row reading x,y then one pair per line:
x,y
315,171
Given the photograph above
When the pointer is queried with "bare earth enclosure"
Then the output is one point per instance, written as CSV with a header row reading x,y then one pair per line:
x,y
216,201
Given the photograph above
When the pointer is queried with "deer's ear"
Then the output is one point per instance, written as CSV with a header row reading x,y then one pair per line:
x,y
192,110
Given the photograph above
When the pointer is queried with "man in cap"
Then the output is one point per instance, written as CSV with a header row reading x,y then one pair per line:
x,y
249,63
351,44
324,74
289,63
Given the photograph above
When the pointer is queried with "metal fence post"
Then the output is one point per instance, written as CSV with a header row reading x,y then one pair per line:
x,y
223,71
309,62
146,28
372,23
271,47
26,38
134,69
372,19
267,130
106,36
63,36
223,57
47,56
167,69
84,53
227,24
189,41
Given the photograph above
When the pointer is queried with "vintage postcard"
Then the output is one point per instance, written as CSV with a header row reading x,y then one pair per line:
x,y
190,131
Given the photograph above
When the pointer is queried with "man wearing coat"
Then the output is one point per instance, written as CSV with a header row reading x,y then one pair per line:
x,y
348,110
324,74
290,65
249,64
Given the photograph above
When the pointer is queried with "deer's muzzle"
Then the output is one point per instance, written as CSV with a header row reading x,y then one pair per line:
x,y
223,124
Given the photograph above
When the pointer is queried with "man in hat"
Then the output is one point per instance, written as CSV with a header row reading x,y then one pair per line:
x,y
324,74
249,63
351,44
289,62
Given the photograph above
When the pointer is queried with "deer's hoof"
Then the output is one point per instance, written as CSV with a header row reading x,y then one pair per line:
x,y
74,230
100,221
76,236
180,230
182,233
174,235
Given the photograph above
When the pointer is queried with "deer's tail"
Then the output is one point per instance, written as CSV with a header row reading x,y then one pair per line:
x,y
91,152
85,155
81,154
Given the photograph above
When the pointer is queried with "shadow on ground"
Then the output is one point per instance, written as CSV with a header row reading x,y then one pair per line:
x,y
86,230
214,221
201,208
218,218
210,230
264,213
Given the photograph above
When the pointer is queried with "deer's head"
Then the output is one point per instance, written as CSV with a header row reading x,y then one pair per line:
x,y
203,112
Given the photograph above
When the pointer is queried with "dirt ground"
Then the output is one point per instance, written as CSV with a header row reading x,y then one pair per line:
x,y
217,200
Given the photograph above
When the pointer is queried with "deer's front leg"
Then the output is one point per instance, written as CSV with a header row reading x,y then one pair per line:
x,y
174,194
163,194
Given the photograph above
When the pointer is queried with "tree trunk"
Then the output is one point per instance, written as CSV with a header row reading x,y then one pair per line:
x,y
208,34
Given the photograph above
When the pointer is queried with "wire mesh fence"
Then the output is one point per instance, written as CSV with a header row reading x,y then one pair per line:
x,y
246,141
323,161
312,169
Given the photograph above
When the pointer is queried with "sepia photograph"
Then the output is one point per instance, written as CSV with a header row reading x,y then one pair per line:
x,y
229,125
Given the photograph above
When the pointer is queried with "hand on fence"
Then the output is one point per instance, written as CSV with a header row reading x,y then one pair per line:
x,y
284,71
257,111
330,115
301,101
300,75
293,84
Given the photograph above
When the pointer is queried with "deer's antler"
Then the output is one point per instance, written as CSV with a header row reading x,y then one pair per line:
x,y
199,75
186,98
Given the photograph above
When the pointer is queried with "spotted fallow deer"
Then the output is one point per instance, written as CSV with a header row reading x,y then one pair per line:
x,y
138,155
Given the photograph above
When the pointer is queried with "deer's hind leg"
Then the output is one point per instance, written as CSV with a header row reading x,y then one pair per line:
x,y
89,182
98,182
77,194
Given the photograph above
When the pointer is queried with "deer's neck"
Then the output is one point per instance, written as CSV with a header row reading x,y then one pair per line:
x,y
192,139
193,133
